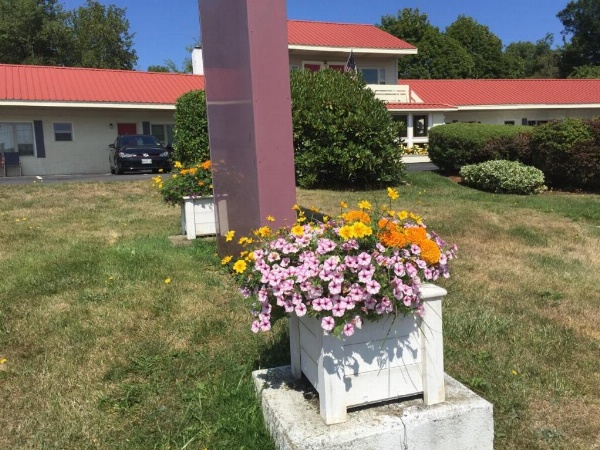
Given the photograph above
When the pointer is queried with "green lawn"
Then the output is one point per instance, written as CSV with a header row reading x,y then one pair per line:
x,y
103,352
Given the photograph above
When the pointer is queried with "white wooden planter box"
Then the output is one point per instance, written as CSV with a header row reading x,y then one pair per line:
x,y
198,216
389,359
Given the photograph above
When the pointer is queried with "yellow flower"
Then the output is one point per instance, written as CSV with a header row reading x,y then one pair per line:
x,y
160,170
226,259
392,193
229,236
325,218
262,231
298,230
354,216
3,361
514,372
343,204
174,175
177,165
240,266
296,207
415,218
363,204
361,230
314,209
402,215
271,218
245,240
250,257
205,165
346,232
168,281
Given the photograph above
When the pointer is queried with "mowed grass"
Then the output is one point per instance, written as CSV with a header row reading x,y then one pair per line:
x,y
102,353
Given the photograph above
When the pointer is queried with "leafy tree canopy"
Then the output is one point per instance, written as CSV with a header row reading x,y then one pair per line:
x,y
42,32
535,60
581,21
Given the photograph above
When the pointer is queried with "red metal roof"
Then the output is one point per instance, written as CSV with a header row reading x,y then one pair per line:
x,y
507,92
68,84
427,106
349,35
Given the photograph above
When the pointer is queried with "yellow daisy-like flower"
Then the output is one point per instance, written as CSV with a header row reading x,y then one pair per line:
x,y
343,204
245,240
229,236
403,215
240,266
226,260
271,218
250,257
416,218
298,230
314,209
325,218
361,230
262,231
3,361
363,204
346,232
392,193
168,281
296,207
205,165
177,165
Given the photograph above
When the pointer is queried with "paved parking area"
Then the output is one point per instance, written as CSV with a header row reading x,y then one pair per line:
x,y
74,178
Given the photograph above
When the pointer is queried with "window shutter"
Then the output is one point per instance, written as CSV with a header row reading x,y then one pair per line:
x,y
38,131
146,127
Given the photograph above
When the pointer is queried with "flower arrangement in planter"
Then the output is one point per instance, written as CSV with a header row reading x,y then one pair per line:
x,y
347,269
357,291
195,181
192,189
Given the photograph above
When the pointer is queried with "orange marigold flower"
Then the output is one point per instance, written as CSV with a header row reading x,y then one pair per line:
x,y
416,235
387,224
393,238
356,216
430,252
205,165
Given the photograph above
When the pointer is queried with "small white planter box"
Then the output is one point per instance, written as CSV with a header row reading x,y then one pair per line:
x,y
389,359
198,216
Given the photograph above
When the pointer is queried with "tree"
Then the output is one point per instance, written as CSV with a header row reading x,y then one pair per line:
x,y
158,68
191,129
585,72
581,21
343,135
101,37
439,57
484,46
32,32
537,60
409,25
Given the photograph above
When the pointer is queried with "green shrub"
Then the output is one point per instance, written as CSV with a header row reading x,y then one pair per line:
x,y
514,147
502,176
454,145
568,152
191,129
343,135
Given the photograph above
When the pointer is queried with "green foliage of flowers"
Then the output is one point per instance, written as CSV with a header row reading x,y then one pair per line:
x,y
458,144
191,129
501,176
358,266
343,135
195,181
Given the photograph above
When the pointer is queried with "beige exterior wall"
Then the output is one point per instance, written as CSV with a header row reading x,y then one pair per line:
x,y
88,151
500,116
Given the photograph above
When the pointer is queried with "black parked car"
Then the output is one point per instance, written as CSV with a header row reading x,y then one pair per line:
x,y
138,152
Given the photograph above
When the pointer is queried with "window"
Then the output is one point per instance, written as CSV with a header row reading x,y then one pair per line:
x,y
17,137
402,120
420,125
509,122
63,131
162,132
373,76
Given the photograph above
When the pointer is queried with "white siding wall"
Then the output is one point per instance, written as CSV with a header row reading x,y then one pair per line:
x,y
500,116
88,152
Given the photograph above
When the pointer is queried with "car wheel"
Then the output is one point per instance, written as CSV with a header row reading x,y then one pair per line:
x,y
112,170
118,170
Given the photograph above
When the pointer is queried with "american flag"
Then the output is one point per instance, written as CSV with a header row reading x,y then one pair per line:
x,y
350,65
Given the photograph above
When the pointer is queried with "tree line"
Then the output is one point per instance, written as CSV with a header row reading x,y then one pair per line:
x,y
467,49
94,35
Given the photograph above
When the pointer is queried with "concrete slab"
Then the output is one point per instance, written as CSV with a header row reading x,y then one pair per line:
x,y
291,410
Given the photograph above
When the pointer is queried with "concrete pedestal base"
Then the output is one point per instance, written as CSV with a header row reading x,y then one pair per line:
x,y
291,410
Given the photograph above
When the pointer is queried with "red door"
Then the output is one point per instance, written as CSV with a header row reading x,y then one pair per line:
x,y
312,67
126,128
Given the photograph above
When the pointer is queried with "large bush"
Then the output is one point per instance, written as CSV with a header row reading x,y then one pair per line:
x,y
191,129
568,152
502,176
454,145
343,135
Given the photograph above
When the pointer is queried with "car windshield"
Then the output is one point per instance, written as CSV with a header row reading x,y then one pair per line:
x,y
140,141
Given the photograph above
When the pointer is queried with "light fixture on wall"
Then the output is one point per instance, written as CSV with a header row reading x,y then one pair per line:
x,y
111,126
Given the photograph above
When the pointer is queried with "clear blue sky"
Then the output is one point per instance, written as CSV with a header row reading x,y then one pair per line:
x,y
163,29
